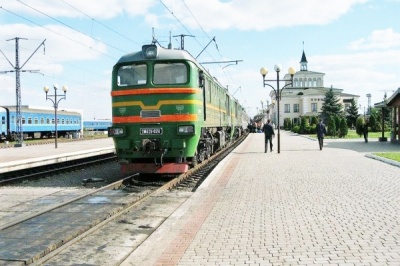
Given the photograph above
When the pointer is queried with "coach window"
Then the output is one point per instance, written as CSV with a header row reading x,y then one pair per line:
x,y
41,120
62,121
23,120
36,121
170,73
131,75
47,120
52,120
29,120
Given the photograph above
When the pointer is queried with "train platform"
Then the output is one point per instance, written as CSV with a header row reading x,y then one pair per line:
x,y
303,206
19,158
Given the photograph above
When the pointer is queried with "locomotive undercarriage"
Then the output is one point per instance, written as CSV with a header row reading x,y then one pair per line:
x,y
211,141
156,158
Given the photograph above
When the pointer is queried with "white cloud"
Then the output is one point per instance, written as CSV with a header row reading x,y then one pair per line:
x,y
210,14
257,15
379,39
62,44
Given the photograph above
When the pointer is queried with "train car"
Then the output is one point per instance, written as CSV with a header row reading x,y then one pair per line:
x,y
168,112
96,125
38,122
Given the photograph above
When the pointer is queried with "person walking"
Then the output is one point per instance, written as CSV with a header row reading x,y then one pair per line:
x,y
321,131
365,131
268,134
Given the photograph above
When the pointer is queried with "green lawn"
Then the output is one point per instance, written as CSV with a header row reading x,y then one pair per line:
x,y
374,135
395,156
352,134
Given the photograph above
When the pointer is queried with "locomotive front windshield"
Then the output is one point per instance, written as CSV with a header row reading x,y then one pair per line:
x,y
164,73
170,73
132,75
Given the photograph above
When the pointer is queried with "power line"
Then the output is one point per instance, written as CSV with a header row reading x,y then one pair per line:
x,y
66,25
55,32
102,24
17,70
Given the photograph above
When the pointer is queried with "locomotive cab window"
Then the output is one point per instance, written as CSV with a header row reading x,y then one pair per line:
x,y
170,73
132,75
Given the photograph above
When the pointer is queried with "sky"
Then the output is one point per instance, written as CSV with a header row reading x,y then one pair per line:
x,y
76,43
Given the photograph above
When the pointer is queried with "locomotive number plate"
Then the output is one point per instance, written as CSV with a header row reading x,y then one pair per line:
x,y
151,131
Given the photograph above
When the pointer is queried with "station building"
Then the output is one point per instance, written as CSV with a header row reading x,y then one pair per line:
x,y
393,102
304,98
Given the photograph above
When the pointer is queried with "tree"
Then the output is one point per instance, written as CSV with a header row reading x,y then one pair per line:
x,y
352,113
287,124
314,120
373,123
303,124
337,122
343,129
360,125
331,126
331,105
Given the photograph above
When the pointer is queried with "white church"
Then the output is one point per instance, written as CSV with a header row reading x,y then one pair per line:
x,y
305,96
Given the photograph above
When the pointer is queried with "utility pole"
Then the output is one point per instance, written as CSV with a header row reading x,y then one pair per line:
x,y
183,39
17,70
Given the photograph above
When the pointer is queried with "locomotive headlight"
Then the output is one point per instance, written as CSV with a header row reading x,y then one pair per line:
x,y
116,131
149,51
188,129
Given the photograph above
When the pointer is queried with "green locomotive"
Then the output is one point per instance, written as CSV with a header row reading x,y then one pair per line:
x,y
168,112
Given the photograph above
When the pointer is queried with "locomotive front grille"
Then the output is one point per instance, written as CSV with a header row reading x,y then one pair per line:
x,y
150,114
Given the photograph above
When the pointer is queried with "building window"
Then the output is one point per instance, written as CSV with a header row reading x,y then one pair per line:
x,y
295,108
287,108
314,107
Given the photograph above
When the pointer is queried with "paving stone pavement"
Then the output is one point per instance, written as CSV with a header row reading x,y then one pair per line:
x,y
300,207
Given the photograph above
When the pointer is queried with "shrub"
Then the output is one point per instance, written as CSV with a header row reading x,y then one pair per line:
x,y
359,125
296,129
331,127
343,129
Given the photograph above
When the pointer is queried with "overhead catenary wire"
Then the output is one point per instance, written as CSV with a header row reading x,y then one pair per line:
x,y
72,28
102,24
58,33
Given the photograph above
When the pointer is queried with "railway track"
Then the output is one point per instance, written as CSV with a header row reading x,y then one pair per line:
x,y
42,171
47,233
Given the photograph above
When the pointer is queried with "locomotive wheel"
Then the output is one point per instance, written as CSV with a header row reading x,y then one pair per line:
x,y
201,157
194,160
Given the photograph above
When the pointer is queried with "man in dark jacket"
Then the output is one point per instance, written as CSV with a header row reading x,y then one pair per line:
x,y
268,133
321,131
365,131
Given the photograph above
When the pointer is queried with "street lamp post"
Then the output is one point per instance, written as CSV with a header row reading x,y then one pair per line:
x,y
278,92
55,103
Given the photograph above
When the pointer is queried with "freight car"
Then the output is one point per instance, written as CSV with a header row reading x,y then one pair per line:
x,y
168,112
38,122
